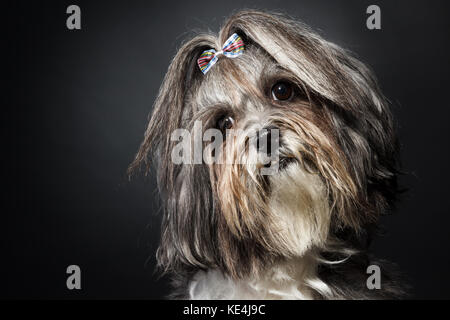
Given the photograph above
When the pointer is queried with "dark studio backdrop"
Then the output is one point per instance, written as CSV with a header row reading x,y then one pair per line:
x,y
75,109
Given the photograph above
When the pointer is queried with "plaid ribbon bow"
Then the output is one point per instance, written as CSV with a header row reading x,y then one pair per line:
x,y
232,48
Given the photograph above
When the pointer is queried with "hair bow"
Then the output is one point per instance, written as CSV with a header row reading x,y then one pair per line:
x,y
232,48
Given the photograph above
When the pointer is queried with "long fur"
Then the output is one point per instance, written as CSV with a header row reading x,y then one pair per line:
x,y
229,232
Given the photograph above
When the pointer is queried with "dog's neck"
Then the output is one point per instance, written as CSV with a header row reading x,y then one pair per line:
x,y
290,279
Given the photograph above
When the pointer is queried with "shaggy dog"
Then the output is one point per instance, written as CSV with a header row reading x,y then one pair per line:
x,y
302,230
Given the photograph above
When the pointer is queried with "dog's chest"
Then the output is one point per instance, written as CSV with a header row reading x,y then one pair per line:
x,y
284,281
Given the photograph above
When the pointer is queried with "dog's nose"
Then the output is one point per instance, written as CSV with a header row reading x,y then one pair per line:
x,y
268,139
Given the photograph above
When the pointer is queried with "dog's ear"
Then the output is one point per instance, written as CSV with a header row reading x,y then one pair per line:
x,y
170,107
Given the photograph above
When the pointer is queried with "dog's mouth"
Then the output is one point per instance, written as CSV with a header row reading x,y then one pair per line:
x,y
283,163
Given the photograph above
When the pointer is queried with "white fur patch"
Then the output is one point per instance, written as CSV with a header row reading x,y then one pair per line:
x,y
299,205
292,280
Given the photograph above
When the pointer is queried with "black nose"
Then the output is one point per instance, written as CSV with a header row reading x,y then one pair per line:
x,y
267,139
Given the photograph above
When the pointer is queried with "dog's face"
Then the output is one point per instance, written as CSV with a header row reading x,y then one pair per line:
x,y
334,156
287,210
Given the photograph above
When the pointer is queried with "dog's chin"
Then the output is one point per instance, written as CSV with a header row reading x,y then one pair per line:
x,y
300,209
285,162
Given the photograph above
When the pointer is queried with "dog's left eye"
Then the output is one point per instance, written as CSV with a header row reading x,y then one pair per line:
x,y
282,91
224,123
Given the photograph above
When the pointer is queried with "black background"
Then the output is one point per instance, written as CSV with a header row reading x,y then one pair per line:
x,y
75,108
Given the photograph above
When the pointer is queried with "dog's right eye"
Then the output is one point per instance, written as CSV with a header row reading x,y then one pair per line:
x,y
224,123
282,91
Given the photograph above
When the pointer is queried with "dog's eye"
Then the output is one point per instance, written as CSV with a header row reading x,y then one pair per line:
x,y
224,123
282,91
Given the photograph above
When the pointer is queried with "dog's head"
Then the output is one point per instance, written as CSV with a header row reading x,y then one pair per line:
x,y
335,166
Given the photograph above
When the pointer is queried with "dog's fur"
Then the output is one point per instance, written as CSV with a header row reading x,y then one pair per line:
x,y
302,233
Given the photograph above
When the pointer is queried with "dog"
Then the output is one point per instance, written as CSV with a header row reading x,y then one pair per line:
x,y
302,231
